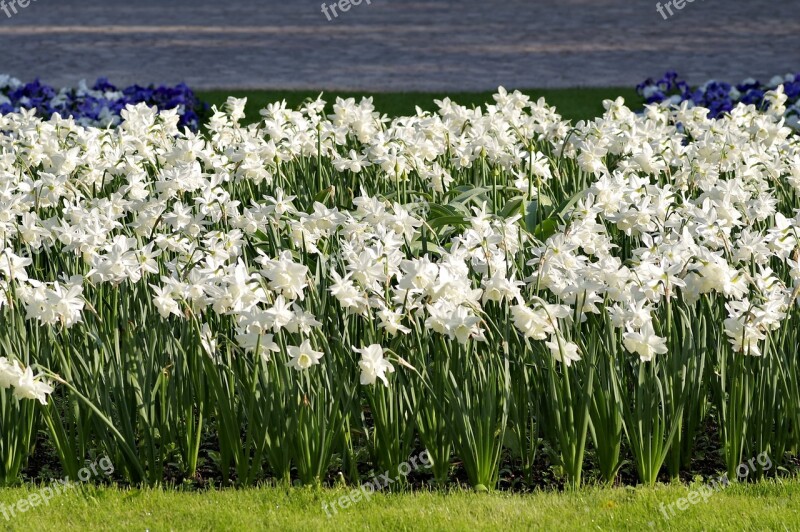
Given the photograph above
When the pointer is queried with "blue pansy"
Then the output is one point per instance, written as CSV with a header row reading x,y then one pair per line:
x,y
718,97
102,103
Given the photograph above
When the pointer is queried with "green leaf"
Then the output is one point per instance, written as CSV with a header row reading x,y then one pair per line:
x,y
323,195
441,221
530,210
469,195
435,211
514,206
568,204
546,229
442,215
416,247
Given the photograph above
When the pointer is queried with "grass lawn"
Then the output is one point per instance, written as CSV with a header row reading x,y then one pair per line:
x,y
764,506
574,104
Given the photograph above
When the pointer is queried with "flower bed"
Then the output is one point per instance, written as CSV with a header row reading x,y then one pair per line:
x,y
99,105
343,291
720,97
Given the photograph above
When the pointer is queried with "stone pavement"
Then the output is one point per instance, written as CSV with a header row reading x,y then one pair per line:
x,y
396,44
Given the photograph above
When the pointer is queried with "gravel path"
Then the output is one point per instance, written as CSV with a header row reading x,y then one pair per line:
x,y
398,45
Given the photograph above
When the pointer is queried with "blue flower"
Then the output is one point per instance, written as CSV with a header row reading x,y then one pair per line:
x,y
718,97
103,101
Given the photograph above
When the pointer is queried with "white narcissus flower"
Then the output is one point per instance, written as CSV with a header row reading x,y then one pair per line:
x,y
303,357
391,322
263,342
30,387
280,315
539,323
373,365
235,108
10,373
208,340
67,301
285,275
463,325
21,379
743,336
12,267
562,350
61,304
164,302
645,343
498,287
350,297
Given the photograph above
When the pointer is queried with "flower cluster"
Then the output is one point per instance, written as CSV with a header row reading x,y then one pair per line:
x,y
721,97
445,253
695,218
99,105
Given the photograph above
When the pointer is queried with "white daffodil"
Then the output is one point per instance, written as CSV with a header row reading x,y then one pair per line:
x,y
303,356
30,387
373,365
645,342
562,350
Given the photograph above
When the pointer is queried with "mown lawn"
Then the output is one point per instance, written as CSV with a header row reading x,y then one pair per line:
x,y
768,505
573,104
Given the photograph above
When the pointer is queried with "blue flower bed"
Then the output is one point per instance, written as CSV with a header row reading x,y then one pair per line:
x,y
98,105
720,97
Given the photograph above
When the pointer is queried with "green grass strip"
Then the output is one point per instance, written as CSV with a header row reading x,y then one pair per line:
x,y
573,104
767,505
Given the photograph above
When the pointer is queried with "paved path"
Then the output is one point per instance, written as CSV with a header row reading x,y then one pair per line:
x,y
397,44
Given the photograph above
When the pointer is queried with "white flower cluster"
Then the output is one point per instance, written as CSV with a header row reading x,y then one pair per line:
x,y
668,204
699,209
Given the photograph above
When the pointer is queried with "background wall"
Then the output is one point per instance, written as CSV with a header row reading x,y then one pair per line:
x,y
396,44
